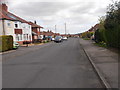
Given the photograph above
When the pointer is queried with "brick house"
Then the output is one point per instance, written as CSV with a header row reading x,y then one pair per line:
x,y
11,24
36,36
47,34
93,29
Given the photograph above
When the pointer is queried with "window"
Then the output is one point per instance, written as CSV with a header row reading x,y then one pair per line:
x,y
18,37
16,25
26,37
8,24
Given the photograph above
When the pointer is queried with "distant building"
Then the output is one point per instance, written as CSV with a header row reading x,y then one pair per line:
x,y
93,29
47,34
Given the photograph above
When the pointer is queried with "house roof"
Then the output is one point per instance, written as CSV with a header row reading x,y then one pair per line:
x,y
94,28
48,33
97,26
10,16
4,14
34,25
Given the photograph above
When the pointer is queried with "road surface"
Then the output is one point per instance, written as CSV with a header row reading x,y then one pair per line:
x,y
56,65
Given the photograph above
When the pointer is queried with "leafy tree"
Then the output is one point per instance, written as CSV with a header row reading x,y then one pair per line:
x,y
112,25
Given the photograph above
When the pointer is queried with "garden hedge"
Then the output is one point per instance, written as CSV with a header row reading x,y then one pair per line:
x,y
109,30
6,43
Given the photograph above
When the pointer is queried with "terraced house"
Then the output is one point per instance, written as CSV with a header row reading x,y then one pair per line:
x,y
11,24
36,36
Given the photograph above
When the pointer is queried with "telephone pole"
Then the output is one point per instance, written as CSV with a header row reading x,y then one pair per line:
x,y
55,28
65,29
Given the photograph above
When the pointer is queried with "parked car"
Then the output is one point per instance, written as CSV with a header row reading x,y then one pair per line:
x,y
15,45
64,38
49,38
58,39
53,39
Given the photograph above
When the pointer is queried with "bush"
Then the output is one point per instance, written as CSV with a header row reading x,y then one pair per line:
x,y
45,41
112,25
109,30
6,43
87,34
112,37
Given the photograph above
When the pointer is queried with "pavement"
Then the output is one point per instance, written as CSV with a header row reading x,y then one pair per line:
x,y
52,65
105,60
22,50
20,47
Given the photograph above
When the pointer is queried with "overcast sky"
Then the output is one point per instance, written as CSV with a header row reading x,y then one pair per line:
x,y
79,15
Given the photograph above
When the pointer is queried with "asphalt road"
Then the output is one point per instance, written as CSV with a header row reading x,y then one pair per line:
x,y
56,65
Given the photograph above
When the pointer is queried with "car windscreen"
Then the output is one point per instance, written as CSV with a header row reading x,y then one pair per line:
x,y
58,37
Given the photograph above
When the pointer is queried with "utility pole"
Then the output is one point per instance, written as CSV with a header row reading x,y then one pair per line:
x,y
55,28
65,29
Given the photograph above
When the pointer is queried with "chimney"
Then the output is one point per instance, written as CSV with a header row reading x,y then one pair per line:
x,y
35,22
5,7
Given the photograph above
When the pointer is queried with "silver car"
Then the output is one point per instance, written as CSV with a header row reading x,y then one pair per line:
x,y
58,39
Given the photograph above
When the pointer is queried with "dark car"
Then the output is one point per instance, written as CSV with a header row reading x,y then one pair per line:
x,y
58,39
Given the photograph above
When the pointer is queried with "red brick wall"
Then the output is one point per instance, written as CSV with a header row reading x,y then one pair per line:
x,y
36,30
20,42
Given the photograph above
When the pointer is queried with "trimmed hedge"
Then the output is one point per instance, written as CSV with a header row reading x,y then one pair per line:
x,y
112,37
6,43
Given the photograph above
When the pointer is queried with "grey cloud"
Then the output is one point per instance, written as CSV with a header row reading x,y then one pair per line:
x,y
83,8
51,13
41,8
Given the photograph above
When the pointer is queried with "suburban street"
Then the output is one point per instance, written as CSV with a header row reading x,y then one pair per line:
x,y
54,65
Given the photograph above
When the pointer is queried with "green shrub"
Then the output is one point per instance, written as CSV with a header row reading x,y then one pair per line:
x,y
6,43
112,25
109,30
101,44
87,34
112,37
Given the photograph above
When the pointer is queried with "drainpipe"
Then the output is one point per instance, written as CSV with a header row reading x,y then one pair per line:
x,y
3,27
